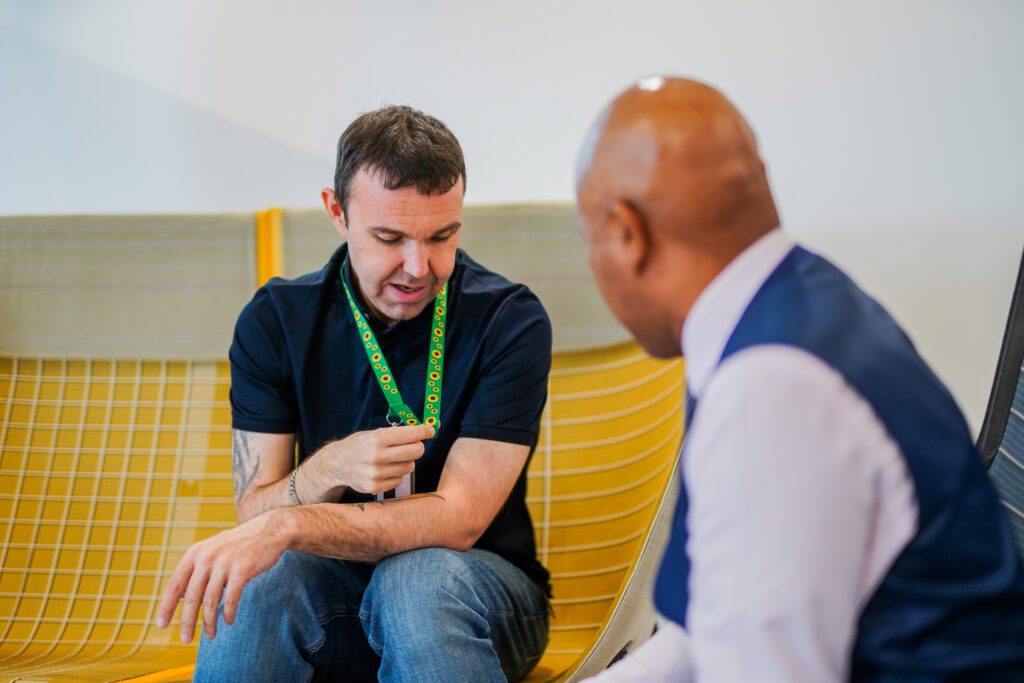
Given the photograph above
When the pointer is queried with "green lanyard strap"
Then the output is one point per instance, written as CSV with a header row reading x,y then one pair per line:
x,y
398,411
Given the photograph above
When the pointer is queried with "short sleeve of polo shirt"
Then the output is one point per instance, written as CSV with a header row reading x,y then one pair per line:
x,y
262,394
513,382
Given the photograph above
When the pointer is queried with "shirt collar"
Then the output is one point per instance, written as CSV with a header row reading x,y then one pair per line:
x,y
720,306
346,274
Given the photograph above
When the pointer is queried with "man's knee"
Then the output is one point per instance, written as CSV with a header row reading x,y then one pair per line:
x,y
424,574
285,585
428,607
419,586
280,618
287,592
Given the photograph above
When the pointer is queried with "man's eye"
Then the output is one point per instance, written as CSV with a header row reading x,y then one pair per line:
x,y
442,238
388,240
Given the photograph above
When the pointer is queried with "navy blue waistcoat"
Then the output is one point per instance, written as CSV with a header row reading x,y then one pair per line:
x,y
952,605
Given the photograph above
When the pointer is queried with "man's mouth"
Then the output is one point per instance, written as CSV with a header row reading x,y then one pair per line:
x,y
406,294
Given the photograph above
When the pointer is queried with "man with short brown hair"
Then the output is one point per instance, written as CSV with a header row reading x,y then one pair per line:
x,y
412,380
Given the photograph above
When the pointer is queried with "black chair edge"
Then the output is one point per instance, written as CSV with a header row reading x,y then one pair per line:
x,y
1008,368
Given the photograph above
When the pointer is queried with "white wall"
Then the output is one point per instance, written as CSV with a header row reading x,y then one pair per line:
x,y
893,130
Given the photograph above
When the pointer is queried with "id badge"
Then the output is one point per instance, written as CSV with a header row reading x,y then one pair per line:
x,y
408,485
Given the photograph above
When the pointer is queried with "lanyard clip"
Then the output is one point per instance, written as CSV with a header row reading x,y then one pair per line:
x,y
401,414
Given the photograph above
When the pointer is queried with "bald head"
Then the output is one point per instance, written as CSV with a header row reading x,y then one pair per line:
x,y
671,167
683,155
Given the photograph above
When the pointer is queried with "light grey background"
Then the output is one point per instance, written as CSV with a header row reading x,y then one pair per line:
x,y
892,130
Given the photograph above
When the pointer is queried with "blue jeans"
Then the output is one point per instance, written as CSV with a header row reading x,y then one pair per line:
x,y
424,615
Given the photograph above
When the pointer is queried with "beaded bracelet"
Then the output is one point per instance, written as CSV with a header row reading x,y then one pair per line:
x,y
291,488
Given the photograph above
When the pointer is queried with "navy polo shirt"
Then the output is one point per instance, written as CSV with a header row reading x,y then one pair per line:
x,y
299,366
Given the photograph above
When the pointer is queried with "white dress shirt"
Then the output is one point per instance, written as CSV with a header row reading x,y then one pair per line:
x,y
799,502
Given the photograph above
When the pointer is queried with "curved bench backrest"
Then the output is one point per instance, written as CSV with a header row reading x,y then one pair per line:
x,y
115,446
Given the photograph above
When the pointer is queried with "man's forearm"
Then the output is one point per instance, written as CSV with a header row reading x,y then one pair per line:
x,y
369,532
260,499
252,500
276,495
477,479
260,465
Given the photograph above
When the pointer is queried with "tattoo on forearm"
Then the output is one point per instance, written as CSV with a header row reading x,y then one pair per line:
x,y
362,506
245,462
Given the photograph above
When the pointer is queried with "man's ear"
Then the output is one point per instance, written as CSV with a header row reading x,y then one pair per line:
x,y
334,211
631,234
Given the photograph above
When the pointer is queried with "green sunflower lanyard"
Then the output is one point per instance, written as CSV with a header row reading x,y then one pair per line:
x,y
398,411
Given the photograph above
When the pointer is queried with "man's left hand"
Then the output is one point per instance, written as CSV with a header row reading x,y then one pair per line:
x,y
219,567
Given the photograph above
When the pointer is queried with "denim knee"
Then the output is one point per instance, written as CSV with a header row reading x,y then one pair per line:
x,y
285,587
275,606
433,613
280,621
427,574
411,590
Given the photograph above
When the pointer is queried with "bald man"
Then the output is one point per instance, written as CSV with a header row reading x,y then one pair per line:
x,y
835,522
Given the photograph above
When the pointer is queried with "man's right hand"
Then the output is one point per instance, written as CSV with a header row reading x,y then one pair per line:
x,y
369,462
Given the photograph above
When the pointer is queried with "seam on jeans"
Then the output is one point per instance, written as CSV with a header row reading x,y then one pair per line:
x,y
365,618
503,613
339,612
497,612
314,648
476,553
528,663
535,617
319,643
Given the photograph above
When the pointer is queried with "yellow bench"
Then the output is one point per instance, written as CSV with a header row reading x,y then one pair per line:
x,y
111,468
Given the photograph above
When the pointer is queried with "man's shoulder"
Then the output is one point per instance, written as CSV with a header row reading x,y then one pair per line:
x,y
486,289
292,298
285,288
810,303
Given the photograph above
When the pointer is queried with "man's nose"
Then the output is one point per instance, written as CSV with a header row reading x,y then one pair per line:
x,y
416,261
